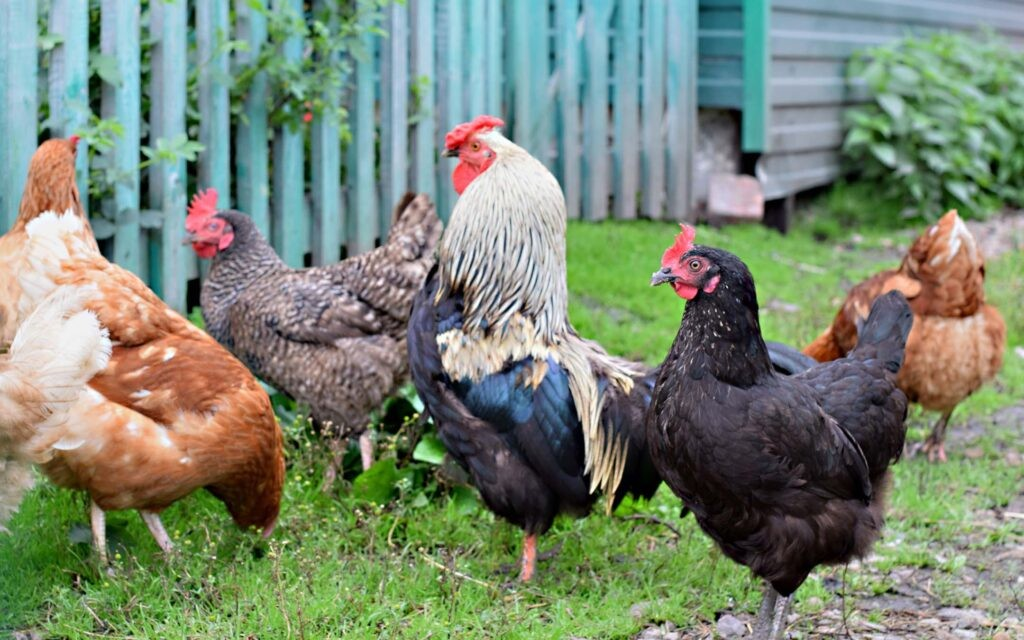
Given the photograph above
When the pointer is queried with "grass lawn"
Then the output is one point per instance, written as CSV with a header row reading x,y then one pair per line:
x,y
427,565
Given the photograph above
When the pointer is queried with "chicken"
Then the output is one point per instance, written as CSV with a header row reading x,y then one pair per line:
x,y
57,350
538,416
783,472
332,336
48,188
957,342
171,412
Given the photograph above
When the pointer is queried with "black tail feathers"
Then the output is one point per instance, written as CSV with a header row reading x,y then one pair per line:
x,y
886,329
787,360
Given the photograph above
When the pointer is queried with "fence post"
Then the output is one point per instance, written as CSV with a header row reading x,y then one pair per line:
x,y
569,80
214,127
595,110
169,29
290,231
362,156
627,110
119,38
325,148
453,110
424,178
654,108
395,113
18,56
251,139
69,81
494,48
682,105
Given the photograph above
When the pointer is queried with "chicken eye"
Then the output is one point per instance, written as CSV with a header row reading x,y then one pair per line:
x,y
694,265
212,226
474,146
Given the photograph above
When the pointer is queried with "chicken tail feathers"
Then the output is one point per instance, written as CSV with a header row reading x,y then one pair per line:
x,y
884,334
788,360
415,227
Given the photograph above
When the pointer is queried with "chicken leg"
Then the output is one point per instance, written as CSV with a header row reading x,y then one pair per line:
x,y
98,519
771,617
529,559
935,444
156,527
366,449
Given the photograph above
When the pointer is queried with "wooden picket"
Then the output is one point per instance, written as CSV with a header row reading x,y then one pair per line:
x,y
601,91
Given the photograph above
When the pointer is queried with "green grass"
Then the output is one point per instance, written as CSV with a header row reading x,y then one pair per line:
x,y
338,566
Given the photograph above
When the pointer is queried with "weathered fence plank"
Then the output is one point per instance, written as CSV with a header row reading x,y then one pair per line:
x,y
454,106
424,177
214,126
653,101
167,180
325,165
18,67
251,165
69,80
290,226
569,86
362,157
627,110
493,58
119,38
682,105
596,159
395,118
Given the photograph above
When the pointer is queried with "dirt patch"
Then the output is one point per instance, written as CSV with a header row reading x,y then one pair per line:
x,y
982,598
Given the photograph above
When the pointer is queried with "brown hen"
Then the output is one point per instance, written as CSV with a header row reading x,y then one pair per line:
x,y
957,341
172,411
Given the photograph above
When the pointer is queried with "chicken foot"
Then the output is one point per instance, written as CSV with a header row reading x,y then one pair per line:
x,y
771,617
366,449
156,527
935,444
529,559
98,519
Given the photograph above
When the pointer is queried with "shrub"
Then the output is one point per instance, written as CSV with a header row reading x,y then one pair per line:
x,y
944,126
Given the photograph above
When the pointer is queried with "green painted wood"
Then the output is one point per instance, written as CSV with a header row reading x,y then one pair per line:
x,y
476,70
395,120
18,110
119,38
653,101
68,78
214,126
493,46
682,106
290,228
362,181
569,102
529,49
627,109
251,139
424,139
756,57
453,109
597,164
167,180
325,165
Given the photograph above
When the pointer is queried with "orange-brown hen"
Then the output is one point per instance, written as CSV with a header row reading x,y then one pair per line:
x,y
957,341
172,411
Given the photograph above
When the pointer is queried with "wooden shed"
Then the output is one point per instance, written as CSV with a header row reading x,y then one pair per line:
x,y
781,66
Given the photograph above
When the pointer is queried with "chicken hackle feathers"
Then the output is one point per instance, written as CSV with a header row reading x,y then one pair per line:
x,y
56,351
504,251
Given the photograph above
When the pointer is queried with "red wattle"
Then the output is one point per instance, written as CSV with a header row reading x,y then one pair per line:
x,y
685,291
462,176
203,250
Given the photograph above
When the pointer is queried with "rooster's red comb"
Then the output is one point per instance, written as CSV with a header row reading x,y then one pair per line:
x,y
204,205
461,133
683,243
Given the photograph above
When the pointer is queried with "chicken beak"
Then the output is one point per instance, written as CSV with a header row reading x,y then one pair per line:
x,y
450,153
662,276
190,238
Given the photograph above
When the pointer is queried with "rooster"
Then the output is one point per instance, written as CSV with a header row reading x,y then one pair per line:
x,y
333,336
957,341
540,417
171,412
56,351
784,473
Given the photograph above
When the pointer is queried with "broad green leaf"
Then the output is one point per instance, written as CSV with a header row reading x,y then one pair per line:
x,y
885,153
377,484
430,449
892,104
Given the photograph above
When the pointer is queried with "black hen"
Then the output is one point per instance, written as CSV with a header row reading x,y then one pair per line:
x,y
784,473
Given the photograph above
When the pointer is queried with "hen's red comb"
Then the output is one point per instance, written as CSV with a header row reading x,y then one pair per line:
x,y
204,205
461,133
683,243
73,139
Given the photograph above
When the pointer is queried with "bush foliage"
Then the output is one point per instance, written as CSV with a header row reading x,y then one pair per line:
x,y
944,126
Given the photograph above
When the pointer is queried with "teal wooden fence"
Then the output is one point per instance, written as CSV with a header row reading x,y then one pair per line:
x,y
602,91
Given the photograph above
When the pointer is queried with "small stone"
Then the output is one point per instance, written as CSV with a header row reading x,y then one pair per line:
x,y
729,626
814,602
671,635
974,453
965,618
670,626
639,610
1013,458
966,634
1000,635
